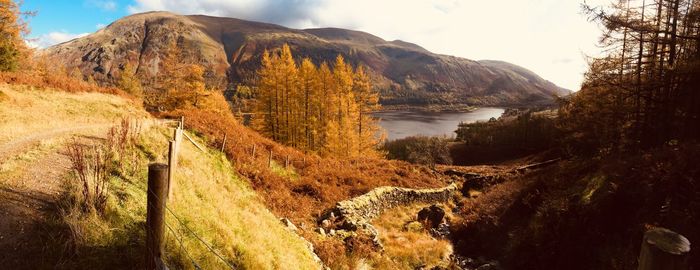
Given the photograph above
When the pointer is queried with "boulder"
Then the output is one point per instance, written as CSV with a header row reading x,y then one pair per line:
x,y
433,214
325,224
288,223
321,231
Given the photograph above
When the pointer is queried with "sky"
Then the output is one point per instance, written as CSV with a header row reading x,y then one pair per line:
x,y
550,37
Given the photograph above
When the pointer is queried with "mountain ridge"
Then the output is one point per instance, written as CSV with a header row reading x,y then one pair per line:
x,y
404,73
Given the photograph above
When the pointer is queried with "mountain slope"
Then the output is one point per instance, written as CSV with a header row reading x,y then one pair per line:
x,y
230,49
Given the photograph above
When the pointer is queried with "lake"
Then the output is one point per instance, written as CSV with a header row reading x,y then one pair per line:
x,y
401,124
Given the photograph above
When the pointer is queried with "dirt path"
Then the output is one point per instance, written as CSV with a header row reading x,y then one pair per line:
x,y
17,146
29,190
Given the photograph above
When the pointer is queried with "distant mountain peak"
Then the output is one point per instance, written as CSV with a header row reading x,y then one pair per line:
x,y
230,49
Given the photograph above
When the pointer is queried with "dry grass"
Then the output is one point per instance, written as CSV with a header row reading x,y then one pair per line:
x,y
26,111
409,248
55,79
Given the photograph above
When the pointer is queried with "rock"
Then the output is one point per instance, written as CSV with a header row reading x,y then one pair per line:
x,y
433,214
288,223
331,232
442,231
325,224
321,231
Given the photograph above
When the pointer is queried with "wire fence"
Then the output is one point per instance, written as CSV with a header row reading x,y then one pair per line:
x,y
174,148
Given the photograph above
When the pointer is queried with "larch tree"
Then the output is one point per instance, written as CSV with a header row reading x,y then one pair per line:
x,y
179,84
316,109
13,50
129,81
367,101
643,92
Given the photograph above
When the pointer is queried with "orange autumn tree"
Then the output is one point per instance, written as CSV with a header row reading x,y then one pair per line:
x,y
179,85
13,50
316,109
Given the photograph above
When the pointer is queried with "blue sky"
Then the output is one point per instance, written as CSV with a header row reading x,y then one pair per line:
x,y
550,37
58,20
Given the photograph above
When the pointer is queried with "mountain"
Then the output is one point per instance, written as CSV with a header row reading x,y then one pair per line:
x,y
230,49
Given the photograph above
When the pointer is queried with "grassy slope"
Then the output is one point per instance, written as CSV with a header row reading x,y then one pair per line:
x,y
208,196
27,110
304,190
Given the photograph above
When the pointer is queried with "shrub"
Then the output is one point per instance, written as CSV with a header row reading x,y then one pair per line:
x,y
93,165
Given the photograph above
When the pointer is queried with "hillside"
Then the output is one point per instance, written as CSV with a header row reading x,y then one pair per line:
x,y
39,191
230,49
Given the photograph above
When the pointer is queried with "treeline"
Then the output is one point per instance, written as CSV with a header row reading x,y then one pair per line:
x,y
420,150
515,134
316,108
644,91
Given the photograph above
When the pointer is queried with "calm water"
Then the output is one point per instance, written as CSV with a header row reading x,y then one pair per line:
x,y
401,124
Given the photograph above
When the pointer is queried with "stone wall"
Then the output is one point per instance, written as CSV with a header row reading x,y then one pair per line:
x,y
356,213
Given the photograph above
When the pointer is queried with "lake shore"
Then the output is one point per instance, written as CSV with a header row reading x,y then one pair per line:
x,y
404,123
429,108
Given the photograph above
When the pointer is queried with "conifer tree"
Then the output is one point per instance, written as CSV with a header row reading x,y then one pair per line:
x,y
368,101
316,109
12,28
129,81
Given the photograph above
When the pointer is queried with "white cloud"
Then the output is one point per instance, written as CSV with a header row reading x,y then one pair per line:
x,y
536,34
53,38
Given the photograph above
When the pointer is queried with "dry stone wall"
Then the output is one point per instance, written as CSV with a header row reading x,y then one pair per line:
x,y
355,214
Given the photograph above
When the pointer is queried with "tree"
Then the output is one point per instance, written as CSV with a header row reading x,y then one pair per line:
x,y
129,81
315,108
368,101
179,85
643,92
12,28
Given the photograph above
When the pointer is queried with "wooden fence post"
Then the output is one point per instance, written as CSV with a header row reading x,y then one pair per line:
x,y
253,151
286,162
269,160
155,215
182,122
663,249
172,164
224,143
